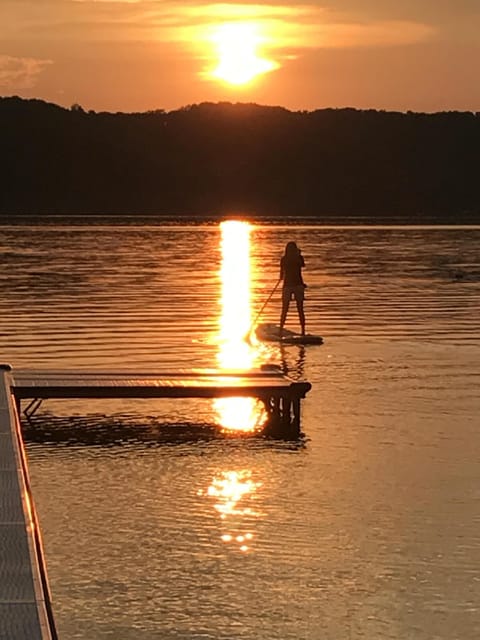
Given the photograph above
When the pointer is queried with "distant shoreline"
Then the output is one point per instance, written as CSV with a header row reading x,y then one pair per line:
x,y
210,161
209,220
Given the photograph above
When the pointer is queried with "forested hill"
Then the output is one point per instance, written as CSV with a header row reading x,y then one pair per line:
x,y
223,158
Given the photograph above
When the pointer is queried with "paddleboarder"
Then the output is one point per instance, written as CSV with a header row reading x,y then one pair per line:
x,y
291,265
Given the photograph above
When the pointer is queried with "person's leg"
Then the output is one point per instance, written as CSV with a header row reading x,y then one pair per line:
x,y
299,298
301,315
285,305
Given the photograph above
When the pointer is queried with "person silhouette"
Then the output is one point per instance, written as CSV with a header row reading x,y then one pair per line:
x,y
291,265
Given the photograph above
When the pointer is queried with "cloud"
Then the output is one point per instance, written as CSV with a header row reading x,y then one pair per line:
x,y
386,33
110,1
20,73
288,29
300,25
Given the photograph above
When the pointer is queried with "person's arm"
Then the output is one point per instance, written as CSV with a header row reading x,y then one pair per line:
x,y
282,270
302,263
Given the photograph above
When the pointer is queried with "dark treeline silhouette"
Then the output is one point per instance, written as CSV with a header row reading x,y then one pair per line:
x,y
214,159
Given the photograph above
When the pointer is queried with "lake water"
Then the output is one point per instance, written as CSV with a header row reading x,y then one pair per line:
x,y
158,526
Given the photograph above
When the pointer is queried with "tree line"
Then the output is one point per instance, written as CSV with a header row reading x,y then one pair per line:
x,y
217,159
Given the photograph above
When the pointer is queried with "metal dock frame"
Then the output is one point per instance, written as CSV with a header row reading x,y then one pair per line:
x,y
25,603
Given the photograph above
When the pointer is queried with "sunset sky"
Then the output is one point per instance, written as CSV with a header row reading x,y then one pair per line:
x,y
136,55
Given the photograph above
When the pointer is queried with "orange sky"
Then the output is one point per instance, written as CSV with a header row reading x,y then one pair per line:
x,y
136,55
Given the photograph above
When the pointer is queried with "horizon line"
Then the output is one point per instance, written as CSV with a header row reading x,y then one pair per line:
x,y
80,109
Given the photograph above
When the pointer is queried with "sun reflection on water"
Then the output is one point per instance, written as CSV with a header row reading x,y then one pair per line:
x,y
235,352
229,489
235,295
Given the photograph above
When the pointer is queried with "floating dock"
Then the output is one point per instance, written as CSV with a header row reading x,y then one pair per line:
x,y
280,394
25,605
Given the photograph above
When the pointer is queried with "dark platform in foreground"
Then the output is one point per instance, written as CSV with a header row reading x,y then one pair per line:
x,y
25,608
280,395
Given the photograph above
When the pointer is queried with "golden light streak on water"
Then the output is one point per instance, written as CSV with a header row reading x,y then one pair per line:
x,y
235,297
239,414
229,489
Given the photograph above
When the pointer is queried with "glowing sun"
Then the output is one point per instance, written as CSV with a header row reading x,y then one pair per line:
x,y
237,45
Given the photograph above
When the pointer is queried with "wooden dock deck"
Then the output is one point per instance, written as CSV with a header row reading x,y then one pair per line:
x,y
280,395
25,609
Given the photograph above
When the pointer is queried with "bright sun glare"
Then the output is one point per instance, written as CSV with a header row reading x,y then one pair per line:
x,y
237,45
234,351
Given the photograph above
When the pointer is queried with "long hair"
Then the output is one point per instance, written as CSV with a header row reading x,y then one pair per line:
x,y
291,250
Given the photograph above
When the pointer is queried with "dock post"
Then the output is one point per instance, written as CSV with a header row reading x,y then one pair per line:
x,y
286,406
295,423
283,417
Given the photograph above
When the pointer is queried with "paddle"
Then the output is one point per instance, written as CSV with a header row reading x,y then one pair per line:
x,y
252,326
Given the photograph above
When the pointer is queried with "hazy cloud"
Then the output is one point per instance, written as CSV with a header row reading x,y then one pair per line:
x,y
299,25
20,73
296,28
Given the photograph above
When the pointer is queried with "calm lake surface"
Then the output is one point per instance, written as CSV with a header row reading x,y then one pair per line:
x,y
158,526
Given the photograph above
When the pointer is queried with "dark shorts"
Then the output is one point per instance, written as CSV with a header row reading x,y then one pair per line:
x,y
297,293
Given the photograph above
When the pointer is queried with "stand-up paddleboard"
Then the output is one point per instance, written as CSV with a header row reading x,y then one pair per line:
x,y
271,333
